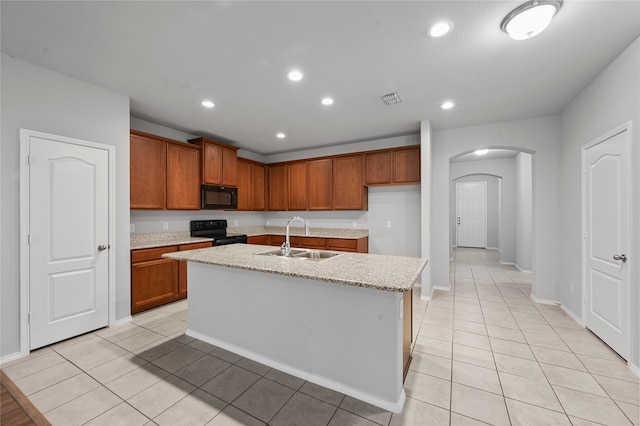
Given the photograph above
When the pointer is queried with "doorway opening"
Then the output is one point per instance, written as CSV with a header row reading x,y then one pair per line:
x,y
507,176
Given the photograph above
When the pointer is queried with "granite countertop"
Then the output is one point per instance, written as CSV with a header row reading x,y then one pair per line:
x,y
298,230
142,241
390,273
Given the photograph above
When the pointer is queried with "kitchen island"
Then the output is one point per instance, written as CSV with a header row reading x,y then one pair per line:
x,y
342,322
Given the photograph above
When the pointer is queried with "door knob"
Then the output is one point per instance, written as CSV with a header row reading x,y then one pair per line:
x,y
622,257
102,247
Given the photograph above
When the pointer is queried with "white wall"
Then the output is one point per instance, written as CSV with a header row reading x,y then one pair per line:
x,y
39,99
611,100
540,136
524,207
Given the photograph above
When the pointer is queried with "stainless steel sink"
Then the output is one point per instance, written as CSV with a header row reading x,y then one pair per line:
x,y
302,254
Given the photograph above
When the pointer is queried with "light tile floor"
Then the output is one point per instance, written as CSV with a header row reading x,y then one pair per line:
x,y
484,353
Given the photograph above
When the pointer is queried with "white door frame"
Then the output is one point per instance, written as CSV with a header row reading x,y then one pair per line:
x,y
25,136
602,138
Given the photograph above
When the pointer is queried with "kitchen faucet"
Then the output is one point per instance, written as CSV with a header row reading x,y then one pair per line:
x,y
286,246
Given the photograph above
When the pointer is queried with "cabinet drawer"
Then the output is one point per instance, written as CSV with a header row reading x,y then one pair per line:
x,y
342,244
144,255
313,242
194,246
258,239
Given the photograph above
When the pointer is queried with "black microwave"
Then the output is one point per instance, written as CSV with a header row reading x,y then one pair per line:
x,y
218,197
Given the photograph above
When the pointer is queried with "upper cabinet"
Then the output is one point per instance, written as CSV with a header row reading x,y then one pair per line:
x,y
396,166
297,185
349,192
164,174
277,177
251,185
320,184
148,171
219,162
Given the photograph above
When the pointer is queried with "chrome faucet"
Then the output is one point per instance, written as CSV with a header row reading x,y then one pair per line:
x,y
286,246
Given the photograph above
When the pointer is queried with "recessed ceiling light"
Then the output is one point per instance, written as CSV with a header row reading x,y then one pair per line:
x,y
327,101
281,135
447,105
208,104
481,151
440,28
295,75
530,19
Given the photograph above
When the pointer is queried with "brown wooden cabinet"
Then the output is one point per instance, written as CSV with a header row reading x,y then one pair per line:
x,y
406,165
148,158
359,245
156,281
277,186
396,166
183,177
320,175
349,192
219,162
164,174
297,185
251,185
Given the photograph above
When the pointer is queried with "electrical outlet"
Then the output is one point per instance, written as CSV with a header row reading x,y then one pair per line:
x,y
132,228
165,226
572,287
389,224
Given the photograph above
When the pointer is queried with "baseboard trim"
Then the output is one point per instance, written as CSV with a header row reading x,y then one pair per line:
x,y
563,307
11,357
526,271
634,369
122,321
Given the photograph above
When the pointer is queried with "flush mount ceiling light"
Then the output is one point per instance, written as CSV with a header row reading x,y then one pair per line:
x,y
530,19
447,105
295,75
391,98
481,151
280,135
440,28
208,104
327,101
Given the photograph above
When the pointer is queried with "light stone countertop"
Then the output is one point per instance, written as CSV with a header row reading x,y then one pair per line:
x,y
298,230
164,239
389,273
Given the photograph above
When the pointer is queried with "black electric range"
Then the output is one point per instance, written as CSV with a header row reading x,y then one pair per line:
x,y
216,229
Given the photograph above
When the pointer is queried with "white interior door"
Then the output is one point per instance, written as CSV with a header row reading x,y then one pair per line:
x,y
68,239
607,227
471,208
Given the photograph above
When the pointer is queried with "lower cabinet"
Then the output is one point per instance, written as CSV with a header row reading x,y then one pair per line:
x,y
360,245
156,281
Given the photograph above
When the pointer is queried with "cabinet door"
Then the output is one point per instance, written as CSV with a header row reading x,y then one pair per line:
x,y
257,186
259,239
211,164
278,187
406,165
153,283
320,184
378,168
183,177
317,243
244,185
147,173
297,185
229,166
349,191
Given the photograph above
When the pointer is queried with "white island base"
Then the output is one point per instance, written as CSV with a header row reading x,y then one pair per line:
x,y
346,338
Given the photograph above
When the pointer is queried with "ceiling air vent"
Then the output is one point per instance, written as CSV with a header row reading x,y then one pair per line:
x,y
391,98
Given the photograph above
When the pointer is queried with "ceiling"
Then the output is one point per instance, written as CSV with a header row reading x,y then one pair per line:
x,y
169,56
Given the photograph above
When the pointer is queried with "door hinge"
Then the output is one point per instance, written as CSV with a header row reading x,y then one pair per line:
x,y
584,234
28,239
29,318
29,159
